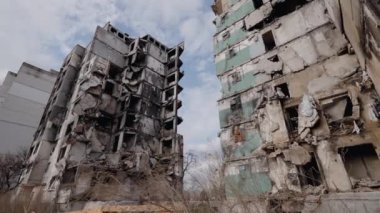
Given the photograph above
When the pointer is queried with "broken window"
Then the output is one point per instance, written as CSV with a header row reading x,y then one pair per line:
x,y
171,65
257,3
129,140
172,53
115,145
282,91
235,77
133,45
130,120
231,53
134,103
122,106
348,109
226,35
69,128
235,104
338,108
291,117
376,108
104,122
361,162
170,107
114,72
56,129
169,124
276,74
268,40
136,75
274,58
309,174
167,147
171,79
52,183
282,8
279,8
62,153
169,93
69,175
109,88
113,30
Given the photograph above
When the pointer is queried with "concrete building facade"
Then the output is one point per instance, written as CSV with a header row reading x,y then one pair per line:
x,y
300,105
109,130
23,96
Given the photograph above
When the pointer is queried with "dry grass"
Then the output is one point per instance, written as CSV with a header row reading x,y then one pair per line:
x,y
21,205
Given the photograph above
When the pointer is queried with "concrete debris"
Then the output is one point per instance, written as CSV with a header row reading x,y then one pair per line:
x,y
297,155
323,83
341,67
308,115
356,129
280,94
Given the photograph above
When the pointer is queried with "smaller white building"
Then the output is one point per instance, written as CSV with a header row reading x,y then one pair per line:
x,y
23,96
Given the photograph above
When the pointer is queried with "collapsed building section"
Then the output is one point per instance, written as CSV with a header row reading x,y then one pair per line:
x,y
299,112
109,130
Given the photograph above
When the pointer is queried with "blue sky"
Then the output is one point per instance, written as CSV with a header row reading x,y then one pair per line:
x,y
42,32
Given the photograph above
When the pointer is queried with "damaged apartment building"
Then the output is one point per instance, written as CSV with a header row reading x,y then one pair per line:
x,y
300,107
109,130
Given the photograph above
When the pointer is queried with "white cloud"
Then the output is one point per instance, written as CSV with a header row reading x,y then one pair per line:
x,y
41,32
200,111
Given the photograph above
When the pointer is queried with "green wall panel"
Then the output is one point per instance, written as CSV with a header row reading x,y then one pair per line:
x,y
241,57
246,112
251,143
233,16
248,80
247,184
233,2
234,38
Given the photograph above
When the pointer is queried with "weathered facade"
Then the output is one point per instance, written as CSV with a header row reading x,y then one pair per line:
x,y
299,112
23,96
109,130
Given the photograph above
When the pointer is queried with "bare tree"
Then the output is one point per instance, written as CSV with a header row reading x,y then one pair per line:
x,y
190,159
11,166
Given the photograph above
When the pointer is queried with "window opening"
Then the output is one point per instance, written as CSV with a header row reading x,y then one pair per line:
x,y
167,146
282,90
257,3
109,88
115,144
69,128
62,153
235,104
69,175
269,41
348,110
309,174
361,162
292,119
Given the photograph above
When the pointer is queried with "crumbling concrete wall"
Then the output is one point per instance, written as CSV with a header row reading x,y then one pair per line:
x,y
109,132
299,111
